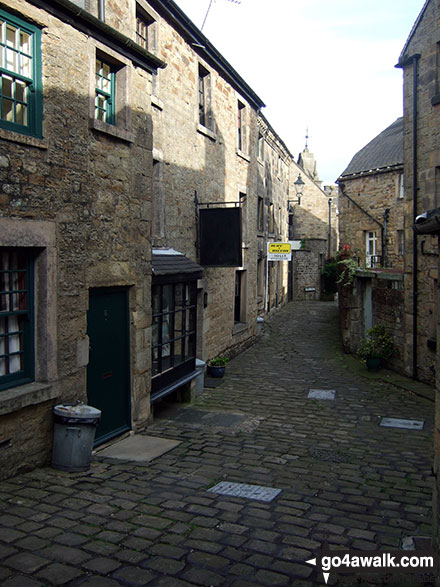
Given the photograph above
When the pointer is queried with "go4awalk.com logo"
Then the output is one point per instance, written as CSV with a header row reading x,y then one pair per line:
x,y
359,562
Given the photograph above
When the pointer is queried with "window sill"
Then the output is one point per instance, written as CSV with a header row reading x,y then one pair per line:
x,y
243,155
17,398
157,102
206,131
110,129
16,137
239,327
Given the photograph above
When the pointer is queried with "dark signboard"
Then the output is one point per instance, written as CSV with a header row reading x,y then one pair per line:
x,y
220,237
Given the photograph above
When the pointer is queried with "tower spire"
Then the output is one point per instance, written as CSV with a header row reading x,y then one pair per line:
x,y
307,139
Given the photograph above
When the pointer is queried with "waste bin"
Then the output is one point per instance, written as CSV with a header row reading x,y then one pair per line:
x,y
73,436
200,379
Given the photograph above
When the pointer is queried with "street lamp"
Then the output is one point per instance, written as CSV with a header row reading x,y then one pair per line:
x,y
299,188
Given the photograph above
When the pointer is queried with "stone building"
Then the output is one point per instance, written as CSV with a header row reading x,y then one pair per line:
x,y
273,180
372,223
314,222
140,185
75,201
419,61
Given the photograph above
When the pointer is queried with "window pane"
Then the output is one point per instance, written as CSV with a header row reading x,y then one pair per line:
x,y
25,66
7,85
8,110
25,42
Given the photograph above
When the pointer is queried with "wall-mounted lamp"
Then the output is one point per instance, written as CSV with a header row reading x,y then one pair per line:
x,y
299,188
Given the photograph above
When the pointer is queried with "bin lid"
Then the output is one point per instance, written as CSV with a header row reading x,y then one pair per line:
x,y
78,411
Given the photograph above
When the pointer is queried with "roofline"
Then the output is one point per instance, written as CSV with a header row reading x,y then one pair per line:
x,y
201,45
387,169
274,132
87,23
413,30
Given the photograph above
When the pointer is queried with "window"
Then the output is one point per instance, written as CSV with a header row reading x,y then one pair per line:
x,y
400,242
271,218
240,297
371,257
401,188
145,32
21,105
16,318
241,127
174,327
205,114
260,215
105,92
260,146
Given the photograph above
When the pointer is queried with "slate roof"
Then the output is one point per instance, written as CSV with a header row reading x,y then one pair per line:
x,y
169,262
383,152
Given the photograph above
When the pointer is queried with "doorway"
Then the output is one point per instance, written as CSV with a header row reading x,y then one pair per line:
x,y
108,380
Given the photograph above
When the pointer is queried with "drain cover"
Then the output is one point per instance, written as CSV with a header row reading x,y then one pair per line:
x,y
401,423
330,456
322,394
248,491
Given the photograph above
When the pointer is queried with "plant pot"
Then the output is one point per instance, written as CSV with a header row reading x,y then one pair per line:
x,y
216,371
374,363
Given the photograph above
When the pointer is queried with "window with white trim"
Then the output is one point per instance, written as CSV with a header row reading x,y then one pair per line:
x,y
371,256
21,104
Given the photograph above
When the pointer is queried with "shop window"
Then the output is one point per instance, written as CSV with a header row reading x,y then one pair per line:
x,y
174,331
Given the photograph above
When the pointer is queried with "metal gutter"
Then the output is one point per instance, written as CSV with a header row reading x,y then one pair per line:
x,y
90,25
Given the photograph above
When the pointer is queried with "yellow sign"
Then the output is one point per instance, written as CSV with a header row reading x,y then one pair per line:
x,y
279,252
284,248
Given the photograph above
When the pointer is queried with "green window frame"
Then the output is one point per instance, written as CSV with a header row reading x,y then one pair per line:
x,y
16,318
21,97
105,76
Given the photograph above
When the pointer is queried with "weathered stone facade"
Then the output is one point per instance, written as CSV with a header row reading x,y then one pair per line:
x,y
77,202
129,153
419,61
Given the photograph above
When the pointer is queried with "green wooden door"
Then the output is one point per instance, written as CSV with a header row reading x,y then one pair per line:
x,y
108,387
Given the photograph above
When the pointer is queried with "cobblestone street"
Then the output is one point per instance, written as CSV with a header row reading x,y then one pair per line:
x,y
345,480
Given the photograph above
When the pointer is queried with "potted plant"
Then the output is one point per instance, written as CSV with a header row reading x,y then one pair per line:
x,y
216,366
376,347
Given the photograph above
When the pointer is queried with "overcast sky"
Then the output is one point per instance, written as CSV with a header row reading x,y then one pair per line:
x,y
323,64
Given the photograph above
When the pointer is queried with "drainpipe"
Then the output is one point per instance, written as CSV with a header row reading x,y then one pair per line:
x,y
413,60
101,10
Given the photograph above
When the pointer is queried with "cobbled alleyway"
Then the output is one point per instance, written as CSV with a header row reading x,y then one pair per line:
x,y
344,479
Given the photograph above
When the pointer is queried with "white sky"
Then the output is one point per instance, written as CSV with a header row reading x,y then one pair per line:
x,y
323,64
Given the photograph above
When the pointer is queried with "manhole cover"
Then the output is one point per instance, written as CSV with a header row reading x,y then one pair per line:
x,y
402,423
331,456
322,394
205,418
257,492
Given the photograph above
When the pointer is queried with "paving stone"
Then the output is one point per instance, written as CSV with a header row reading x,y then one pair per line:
x,y
59,574
344,479
26,562
133,575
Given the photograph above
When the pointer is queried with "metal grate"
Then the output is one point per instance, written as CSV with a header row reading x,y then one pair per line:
x,y
257,492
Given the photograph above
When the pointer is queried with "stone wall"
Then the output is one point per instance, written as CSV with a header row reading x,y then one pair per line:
x,y
307,266
373,298
424,187
79,200
362,203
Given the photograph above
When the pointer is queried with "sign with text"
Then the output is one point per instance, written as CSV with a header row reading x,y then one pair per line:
x,y
279,252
